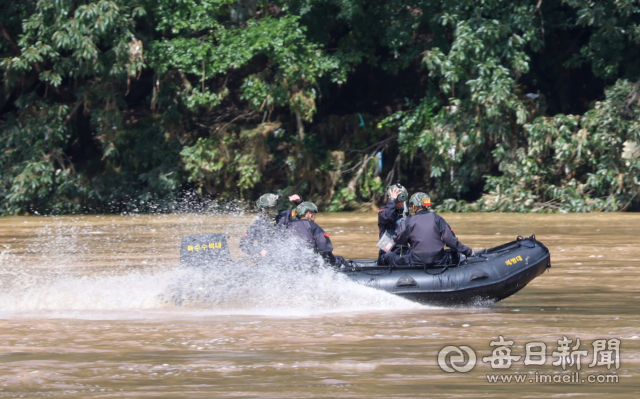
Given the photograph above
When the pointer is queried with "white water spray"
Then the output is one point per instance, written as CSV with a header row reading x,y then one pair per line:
x,y
126,267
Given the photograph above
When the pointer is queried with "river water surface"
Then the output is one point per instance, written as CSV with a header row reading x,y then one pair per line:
x,y
82,315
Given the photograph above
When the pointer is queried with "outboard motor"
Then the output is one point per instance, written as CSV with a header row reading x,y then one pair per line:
x,y
204,250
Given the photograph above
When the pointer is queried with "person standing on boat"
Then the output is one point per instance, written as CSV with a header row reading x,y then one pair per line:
x,y
427,233
263,232
303,226
390,216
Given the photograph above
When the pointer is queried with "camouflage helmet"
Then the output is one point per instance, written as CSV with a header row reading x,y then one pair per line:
x,y
268,200
302,209
420,200
404,194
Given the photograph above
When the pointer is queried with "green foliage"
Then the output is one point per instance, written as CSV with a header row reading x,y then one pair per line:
x,y
141,162
364,187
296,63
35,170
97,41
615,24
223,162
479,72
84,54
574,163
412,125
108,101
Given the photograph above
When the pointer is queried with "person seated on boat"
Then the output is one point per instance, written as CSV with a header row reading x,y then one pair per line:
x,y
390,216
303,227
426,233
263,231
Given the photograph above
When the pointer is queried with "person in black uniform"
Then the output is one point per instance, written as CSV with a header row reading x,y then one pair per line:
x,y
390,216
427,233
263,232
303,226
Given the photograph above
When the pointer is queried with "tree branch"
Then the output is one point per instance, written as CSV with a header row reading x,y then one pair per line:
x,y
233,120
300,126
73,111
378,144
375,148
392,172
352,184
6,35
538,5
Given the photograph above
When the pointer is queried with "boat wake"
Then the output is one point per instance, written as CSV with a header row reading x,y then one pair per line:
x,y
112,267
267,289
193,292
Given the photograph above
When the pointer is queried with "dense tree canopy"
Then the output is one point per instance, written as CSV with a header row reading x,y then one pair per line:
x,y
520,105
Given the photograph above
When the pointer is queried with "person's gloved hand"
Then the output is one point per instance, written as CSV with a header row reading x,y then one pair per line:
x,y
340,261
470,253
295,198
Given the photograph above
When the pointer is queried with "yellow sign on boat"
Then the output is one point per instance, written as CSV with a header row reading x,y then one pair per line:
x,y
513,261
204,247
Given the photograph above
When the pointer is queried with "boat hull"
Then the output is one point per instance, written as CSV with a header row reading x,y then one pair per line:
x,y
495,274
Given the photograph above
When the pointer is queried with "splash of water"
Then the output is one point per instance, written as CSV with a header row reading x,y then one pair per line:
x,y
106,267
258,290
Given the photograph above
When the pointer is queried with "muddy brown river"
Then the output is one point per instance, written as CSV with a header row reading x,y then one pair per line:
x,y
83,314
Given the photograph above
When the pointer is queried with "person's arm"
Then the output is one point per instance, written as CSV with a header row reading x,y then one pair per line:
x,y
402,232
387,214
450,239
323,242
284,217
324,245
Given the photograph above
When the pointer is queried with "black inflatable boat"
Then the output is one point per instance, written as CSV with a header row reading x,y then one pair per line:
x,y
494,274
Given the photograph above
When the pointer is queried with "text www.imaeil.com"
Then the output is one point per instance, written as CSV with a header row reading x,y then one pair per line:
x,y
573,378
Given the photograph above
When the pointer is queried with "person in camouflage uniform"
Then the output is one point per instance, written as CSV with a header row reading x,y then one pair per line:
x,y
264,230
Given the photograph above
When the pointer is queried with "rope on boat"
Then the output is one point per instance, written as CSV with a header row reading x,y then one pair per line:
x,y
531,241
